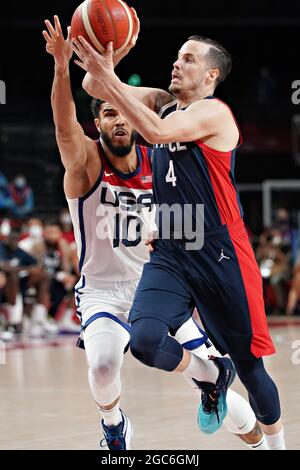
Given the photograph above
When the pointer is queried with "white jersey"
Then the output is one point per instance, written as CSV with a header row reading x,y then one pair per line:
x,y
112,221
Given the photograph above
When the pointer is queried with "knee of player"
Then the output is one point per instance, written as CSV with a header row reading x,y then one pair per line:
x,y
105,367
141,341
143,349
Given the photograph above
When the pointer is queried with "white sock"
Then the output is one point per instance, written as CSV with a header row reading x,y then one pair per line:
x,y
15,312
261,445
276,441
202,370
39,313
68,315
111,417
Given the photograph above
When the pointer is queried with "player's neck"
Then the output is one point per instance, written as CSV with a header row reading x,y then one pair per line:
x,y
185,101
126,164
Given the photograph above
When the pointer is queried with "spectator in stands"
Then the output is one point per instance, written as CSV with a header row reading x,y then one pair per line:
x,y
5,228
294,292
6,201
57,262
33,239
282,223
22,196
66,225
21,272
274,262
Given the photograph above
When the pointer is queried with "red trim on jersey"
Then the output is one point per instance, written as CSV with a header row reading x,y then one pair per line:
x,y
143,180
219,168
238,127
261,342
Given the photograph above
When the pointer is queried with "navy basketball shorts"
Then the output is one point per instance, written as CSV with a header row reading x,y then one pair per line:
x,y
222,280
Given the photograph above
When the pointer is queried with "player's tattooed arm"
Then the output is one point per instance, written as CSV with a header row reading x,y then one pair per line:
x,y
162,99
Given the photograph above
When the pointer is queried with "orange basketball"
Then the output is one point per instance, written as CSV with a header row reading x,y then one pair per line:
x,y
102,21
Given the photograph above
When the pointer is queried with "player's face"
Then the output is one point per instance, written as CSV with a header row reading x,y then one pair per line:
x,y
116,131
191,69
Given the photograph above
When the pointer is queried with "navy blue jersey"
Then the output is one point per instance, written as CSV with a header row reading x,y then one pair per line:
x,y
193,173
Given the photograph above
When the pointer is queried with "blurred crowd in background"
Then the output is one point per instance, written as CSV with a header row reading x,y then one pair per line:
x,y
39,266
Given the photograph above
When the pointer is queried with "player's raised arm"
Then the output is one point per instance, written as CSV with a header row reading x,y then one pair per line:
x,y
69,134
203,118
153,98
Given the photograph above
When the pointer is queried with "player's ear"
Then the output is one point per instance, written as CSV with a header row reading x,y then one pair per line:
x,y
213,74
97,124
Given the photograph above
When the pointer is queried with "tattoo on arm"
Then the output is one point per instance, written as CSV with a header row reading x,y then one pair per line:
x,y
162,98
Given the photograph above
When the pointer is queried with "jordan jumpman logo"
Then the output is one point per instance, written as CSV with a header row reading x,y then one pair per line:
x,y
222,256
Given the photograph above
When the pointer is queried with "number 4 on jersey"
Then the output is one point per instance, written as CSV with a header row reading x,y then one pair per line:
x,y
171,177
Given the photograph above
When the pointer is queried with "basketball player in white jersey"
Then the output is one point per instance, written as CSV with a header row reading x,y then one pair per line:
x,y
103,181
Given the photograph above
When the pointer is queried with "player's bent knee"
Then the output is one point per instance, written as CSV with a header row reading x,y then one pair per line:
x,y
144,342
105,368
144,351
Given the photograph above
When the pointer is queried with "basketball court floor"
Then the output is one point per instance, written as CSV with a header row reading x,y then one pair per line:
x,y
45,402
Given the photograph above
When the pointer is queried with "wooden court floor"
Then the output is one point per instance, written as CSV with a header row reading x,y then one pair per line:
x,y
45,401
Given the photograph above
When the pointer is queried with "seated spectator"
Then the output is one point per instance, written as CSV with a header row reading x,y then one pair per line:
x,y
66,225
21,272
5,228
6,201
282,223
294,292
57,261
22,196
273,258
33,240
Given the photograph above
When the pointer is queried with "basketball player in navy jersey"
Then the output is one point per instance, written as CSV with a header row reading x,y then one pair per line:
x,y
195,138
103,304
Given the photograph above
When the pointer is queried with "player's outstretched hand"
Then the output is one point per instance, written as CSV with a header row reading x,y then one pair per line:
x,y
56,44
99,66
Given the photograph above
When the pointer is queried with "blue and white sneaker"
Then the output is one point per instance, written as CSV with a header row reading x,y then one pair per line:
x,y
213,406
117,437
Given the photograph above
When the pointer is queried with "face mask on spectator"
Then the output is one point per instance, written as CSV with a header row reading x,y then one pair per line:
x,y
5,228
20,182
277,240
35,231
66,219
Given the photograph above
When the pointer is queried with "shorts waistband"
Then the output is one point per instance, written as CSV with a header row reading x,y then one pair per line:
x,y
107,285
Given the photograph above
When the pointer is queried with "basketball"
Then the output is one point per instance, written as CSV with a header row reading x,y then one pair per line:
x,y
103,21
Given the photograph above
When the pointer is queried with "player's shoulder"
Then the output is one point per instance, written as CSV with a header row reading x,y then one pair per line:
x,y
94,149
212,107
210,102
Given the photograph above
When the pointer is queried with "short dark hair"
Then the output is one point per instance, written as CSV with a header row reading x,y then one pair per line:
x,y
217,55
96,106
51,222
